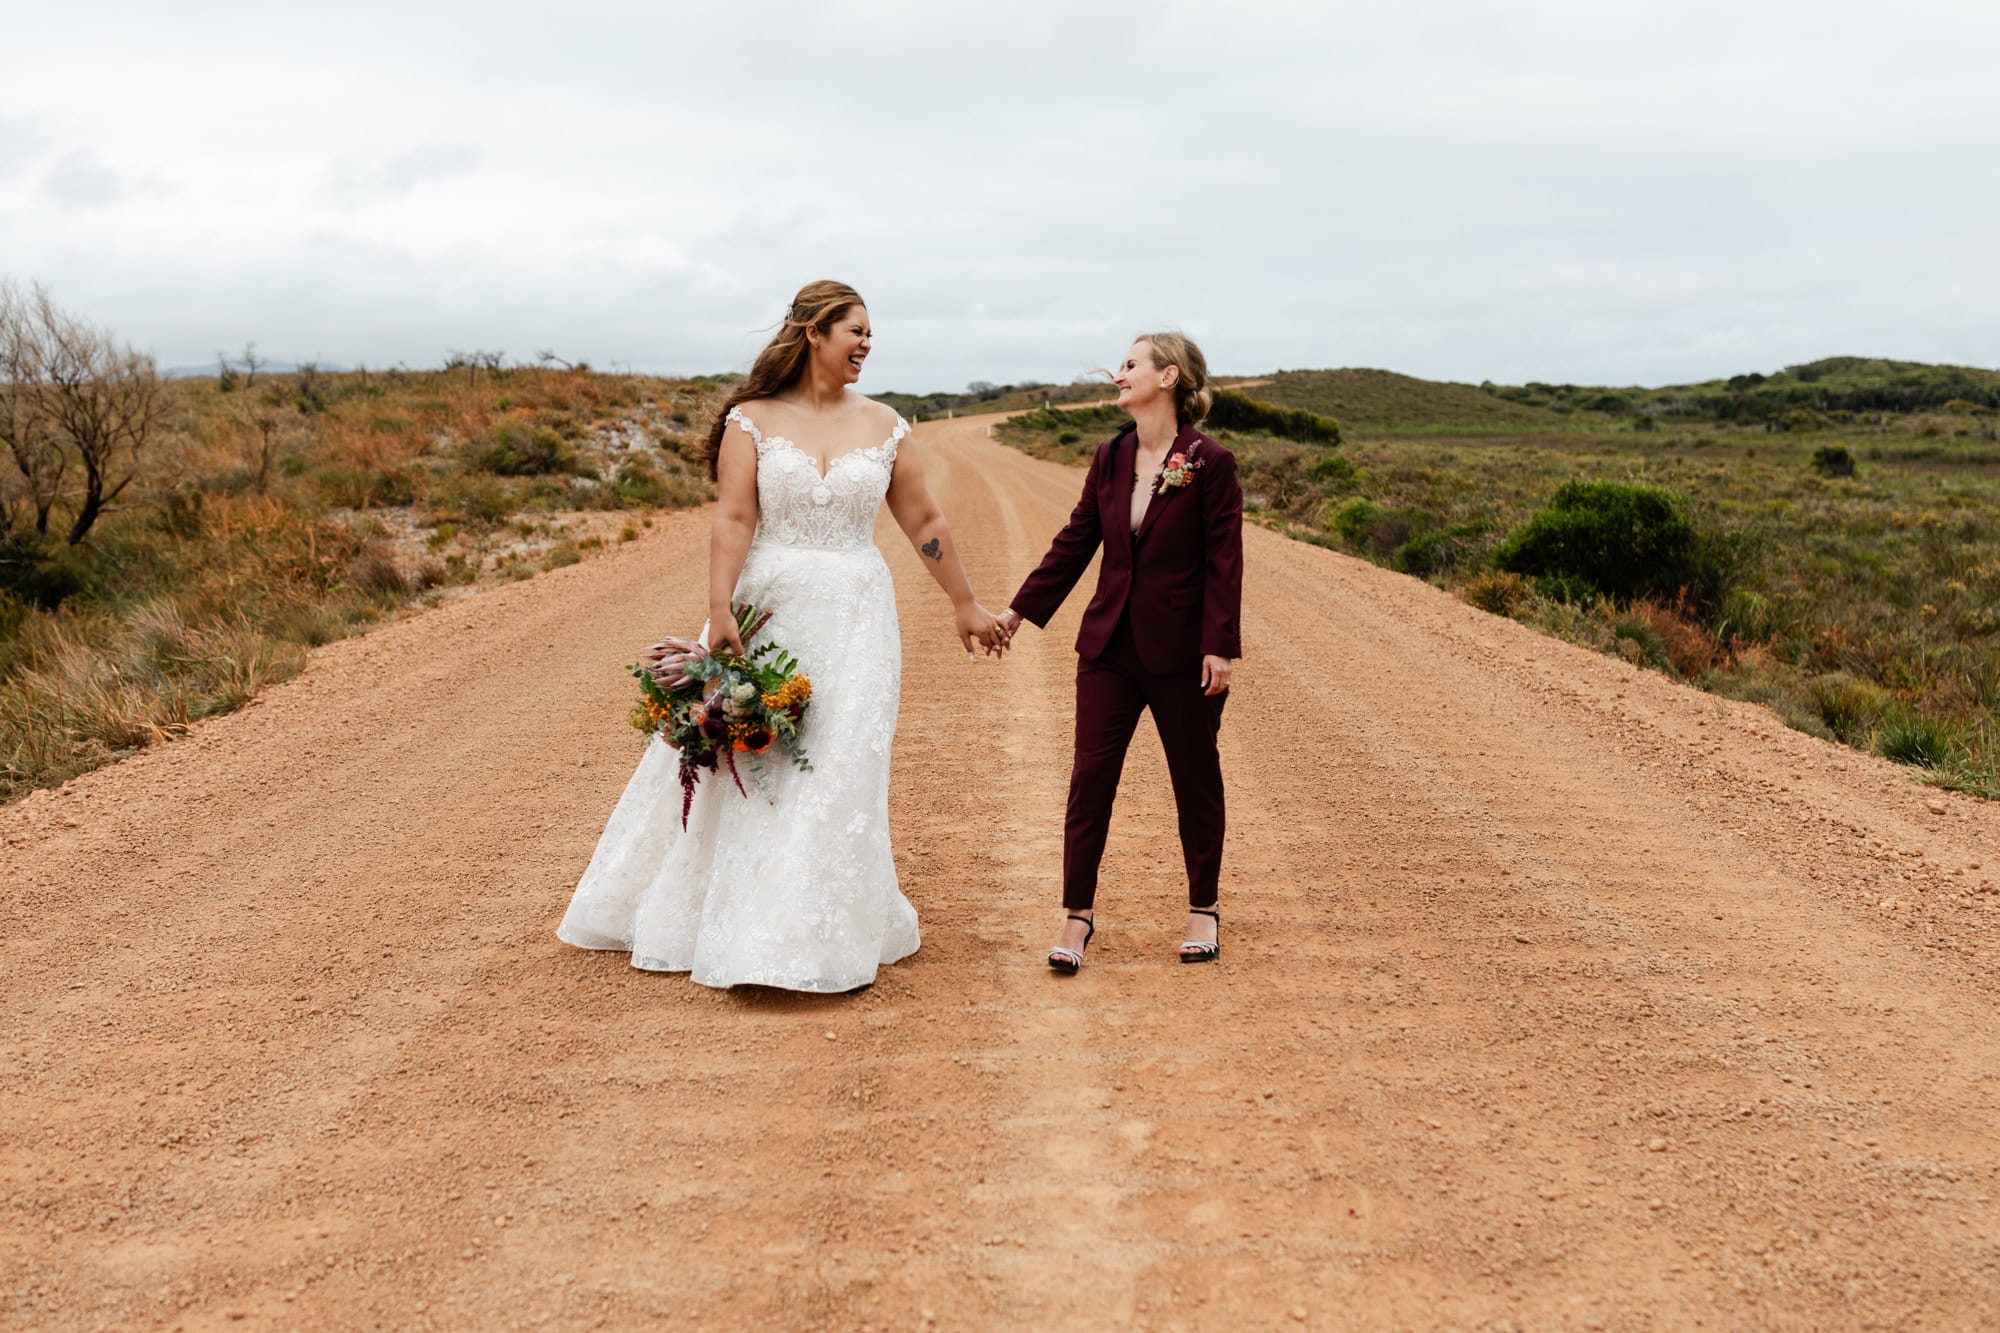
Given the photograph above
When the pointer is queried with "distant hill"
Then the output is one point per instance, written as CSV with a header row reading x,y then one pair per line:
x,y
982,397
1366,400
1835,384
1827,390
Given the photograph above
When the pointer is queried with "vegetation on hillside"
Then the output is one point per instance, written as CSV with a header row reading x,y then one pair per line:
x,y
1383,402
979,396
256,515
1845,572
1836,391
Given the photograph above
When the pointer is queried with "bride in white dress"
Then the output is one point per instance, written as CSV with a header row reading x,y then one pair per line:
x,y
793,886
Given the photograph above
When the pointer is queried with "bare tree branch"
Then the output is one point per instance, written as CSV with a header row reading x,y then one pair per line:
x,y
25,427
103,399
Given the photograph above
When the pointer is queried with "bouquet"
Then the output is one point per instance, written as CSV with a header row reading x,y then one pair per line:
x,y
713,706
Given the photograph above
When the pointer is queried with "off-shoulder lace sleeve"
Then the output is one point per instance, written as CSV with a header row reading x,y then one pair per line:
x,y
889,445
735,414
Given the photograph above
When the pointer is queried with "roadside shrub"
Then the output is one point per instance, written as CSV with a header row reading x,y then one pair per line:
x,y
373,570
473,499
516,450
1925,742
360,488
1426,554
313,624
1496,592
1275,480
1352,517
1334,471
39,572
637,483
1606,538
1686,647
1850,707
1391,529
1833,460
1747,616
1634,639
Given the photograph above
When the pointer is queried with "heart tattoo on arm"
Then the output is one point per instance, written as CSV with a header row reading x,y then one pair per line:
x,y
934,549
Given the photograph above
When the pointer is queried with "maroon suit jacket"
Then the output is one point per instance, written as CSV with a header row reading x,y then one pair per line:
x,y
1182,573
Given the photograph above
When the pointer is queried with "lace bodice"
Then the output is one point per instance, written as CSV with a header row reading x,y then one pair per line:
x,y
797,505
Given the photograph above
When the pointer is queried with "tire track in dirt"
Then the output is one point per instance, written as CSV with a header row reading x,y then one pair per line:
x,y
1553,994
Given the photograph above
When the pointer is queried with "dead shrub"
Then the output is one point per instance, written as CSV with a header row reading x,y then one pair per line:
x,y
1497,592
373,570
1688,647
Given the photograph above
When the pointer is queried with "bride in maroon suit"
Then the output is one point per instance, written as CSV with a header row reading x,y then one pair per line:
x,y
1161,633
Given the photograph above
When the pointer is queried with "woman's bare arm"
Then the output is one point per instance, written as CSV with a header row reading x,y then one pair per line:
x,y
909,499
730,531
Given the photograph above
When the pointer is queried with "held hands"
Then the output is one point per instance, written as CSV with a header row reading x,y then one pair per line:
x,y
978,625
1215,674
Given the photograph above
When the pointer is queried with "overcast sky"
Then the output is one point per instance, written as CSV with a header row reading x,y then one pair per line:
x,y
1583,190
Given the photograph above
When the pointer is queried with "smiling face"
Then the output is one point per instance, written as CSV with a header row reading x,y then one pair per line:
x,y
839,350
1141,381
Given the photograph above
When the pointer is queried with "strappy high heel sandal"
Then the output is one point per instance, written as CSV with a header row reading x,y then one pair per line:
x,y
1203,951
1067,961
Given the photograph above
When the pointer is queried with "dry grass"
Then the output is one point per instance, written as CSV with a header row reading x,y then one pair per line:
x,y
1864,608
285,515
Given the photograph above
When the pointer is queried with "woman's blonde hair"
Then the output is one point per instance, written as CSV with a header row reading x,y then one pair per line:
x,y
819,305
1191,396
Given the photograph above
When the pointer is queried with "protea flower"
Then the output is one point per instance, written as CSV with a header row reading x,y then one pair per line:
x,y
667,661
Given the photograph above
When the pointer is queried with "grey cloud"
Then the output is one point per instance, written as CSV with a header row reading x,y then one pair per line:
x,y
20,142
355,183
79,179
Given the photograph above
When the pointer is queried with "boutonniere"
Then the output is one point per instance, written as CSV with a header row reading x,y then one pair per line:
x,y
1179,470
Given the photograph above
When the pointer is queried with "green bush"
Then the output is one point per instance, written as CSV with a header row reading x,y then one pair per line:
x,y
515,450
1352,518
637,484
474,499
1235,411
1833,460
1925,742
1849,707
1426,554
1336,471
1608,539
1640,642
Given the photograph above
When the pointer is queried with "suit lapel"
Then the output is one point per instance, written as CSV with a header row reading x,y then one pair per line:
x,y
1117,497
1167,493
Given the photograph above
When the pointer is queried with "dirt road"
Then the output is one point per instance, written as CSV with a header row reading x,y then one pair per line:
x,y
1553,995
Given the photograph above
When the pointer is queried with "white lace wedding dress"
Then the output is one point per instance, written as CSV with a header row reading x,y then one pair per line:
x,y
794,885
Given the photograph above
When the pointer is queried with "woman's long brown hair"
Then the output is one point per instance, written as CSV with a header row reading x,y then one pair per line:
x,y
819,305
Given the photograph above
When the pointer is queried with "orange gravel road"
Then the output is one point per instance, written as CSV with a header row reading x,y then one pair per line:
x,y
1553,995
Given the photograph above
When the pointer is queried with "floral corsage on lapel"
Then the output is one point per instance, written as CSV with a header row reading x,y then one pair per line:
x,y
1178,470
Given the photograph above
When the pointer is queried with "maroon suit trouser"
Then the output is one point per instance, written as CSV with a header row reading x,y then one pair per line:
x,y
1111,692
